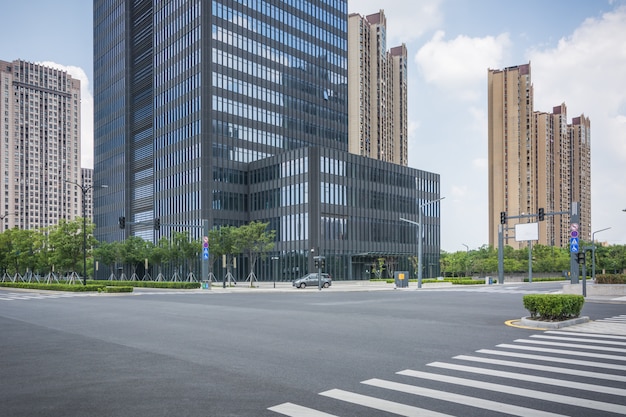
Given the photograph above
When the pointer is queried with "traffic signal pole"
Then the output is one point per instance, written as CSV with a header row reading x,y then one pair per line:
x,y
541,214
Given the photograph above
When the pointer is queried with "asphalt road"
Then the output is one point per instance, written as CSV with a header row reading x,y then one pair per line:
x,y
262,354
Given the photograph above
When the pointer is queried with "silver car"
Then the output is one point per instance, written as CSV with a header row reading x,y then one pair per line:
x,y
311,280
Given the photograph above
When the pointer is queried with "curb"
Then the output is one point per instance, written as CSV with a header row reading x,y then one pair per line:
x,y
527,321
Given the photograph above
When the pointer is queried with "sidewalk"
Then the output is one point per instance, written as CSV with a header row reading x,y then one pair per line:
x,y
606,326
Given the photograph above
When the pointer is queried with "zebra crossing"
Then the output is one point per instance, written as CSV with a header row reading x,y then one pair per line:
x,y
499,289
559,372
47,295
12,296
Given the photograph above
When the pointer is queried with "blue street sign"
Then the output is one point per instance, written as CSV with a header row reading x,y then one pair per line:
x,y
573,245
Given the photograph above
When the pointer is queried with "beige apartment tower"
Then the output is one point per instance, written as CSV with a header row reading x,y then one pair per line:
x,y
40,145
536,160
377,91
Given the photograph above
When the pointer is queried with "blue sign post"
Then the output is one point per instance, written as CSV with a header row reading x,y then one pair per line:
x,y
574,243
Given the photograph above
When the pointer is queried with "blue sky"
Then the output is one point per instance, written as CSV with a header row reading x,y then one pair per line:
x,y
576,49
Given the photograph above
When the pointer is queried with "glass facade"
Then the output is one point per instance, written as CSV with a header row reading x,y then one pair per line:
x,y
344,207
233,111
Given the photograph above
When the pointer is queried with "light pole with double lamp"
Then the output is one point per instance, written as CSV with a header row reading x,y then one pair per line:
x,y
420,237
84,190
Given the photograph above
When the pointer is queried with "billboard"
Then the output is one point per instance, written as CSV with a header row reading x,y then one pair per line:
x,y
526,231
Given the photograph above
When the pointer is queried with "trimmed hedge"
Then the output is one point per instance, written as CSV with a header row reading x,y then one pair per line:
x,y
97,285
553,307
116,289
547,279
610,278
454,281
149,284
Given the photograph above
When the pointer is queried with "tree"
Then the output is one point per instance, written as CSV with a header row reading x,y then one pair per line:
x,y
66,244
254,241
109,253
18,248
222,242
187,250
134,252
444,262
160,254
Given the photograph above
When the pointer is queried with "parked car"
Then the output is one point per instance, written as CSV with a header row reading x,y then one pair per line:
x,y
311,280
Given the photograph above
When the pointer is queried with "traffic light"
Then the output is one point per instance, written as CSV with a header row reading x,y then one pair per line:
x,y
542,214
502,217
157,224
581,257
122,222
322,263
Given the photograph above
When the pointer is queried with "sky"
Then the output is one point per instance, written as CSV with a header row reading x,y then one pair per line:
x,y
576,50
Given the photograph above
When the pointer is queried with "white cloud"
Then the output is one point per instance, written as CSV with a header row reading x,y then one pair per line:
x,y
481,164
407,20
586,71
461,64
86,111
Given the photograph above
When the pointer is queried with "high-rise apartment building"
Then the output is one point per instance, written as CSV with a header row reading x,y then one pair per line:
x,y
40,148
377,91
536,160
87,183
237,110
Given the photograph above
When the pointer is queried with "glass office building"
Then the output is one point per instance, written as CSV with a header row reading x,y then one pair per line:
x,y
236,110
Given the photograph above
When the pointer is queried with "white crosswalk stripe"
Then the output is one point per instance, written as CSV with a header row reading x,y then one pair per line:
x,y
12,296
525,369
457,398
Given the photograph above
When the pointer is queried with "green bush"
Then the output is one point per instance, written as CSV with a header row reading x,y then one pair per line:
x,y
149,284
465,281
553,307
547,279
454,281
97,285
610,278
116,289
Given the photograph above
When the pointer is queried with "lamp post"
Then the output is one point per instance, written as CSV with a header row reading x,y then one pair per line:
x,y
593,252
466,262
420,238
84,190
275,258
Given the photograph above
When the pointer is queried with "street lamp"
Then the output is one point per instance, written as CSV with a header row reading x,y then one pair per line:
x,y
84,190
420,238
467,261
275,258
593,252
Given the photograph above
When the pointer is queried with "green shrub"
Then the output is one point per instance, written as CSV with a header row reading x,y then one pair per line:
x,y
547,279
149,284
116,289
465,281
553,307
610,278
